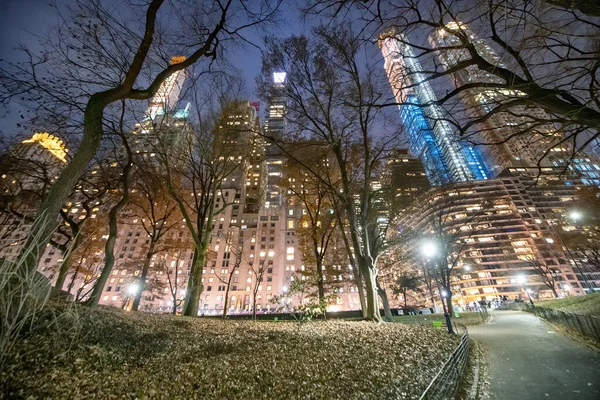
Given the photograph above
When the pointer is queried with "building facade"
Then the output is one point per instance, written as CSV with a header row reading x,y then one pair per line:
x,y
446,158
502,231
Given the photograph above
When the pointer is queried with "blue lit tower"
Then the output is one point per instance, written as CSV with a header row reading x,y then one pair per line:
x,y
431,137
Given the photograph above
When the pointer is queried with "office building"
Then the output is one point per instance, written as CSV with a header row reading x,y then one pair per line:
x,y
445,157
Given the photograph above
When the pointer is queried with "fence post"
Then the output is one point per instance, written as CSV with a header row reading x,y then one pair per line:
x,y
592,322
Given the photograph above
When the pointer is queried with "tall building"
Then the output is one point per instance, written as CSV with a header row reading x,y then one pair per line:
x,y
521,136
167,95
274,128
432,139
26,172
504,229
406,177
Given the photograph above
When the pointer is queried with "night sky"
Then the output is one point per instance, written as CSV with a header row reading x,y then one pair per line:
x,y
21,21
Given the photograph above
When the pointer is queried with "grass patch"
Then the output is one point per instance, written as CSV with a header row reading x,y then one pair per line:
x,y
465,318
587,305
106,353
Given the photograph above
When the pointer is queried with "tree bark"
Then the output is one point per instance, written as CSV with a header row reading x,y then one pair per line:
x,y
320,283
387,312
371,286
66,265
195,287
46,220
361,293
254,304
450,311
109,248
143,275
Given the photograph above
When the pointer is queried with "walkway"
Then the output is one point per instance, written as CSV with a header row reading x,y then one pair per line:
x,y
527,359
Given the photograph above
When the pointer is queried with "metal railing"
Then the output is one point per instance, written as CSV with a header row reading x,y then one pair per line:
x,y
585,325
445,384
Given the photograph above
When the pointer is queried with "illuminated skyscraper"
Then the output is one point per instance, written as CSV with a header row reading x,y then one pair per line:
x,y
432,139
275,129
168,93
520,137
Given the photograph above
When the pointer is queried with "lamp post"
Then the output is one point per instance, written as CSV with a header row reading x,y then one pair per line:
x,y
522,279
574,216
430,249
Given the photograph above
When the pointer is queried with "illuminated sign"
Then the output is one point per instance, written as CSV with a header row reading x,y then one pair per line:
x,y
278,77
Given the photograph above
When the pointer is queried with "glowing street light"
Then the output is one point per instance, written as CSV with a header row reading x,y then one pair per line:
x,y
429,248
133,288
575,215
522,279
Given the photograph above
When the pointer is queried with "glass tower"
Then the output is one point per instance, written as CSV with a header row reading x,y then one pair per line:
x,y
431,137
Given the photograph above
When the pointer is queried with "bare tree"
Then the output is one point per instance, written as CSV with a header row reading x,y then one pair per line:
x,y
99,55
126,165
258,271
533,64
318,226
406,282
205,159
158,213
329,100
175,281
547,275
227,277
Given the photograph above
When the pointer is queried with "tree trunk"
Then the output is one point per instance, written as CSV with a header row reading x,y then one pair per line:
x,y
404,295
371,289
320,283
109,248
195,287
143,275
387,312
66,265
361,294
225,302
46,220
449,304
450,311
72,283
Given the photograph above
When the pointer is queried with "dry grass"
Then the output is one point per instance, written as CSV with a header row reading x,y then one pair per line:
x,y
589,304
118,355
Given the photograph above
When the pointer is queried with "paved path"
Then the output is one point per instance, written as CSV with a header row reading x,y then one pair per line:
x,y
528,359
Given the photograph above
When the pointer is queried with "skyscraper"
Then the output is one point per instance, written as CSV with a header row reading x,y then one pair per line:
x,y
168,93
431,137
275,128
520,136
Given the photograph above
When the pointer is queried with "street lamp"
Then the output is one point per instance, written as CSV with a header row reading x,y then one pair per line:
x,y
575,215
133,288
522,279
429,249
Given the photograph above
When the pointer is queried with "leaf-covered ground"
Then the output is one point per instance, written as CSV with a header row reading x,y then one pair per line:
x,y
110,354
588,304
